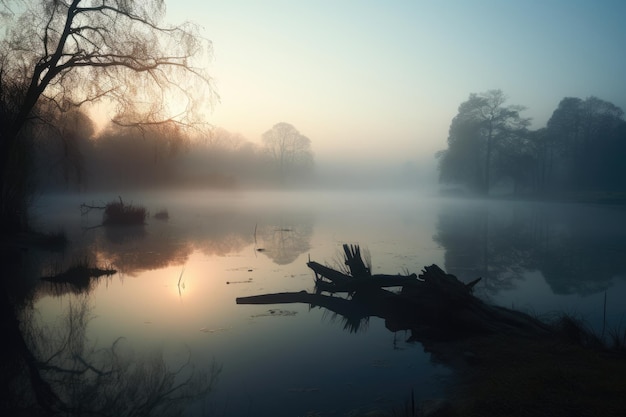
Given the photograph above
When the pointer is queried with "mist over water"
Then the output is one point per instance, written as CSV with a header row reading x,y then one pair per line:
x,y
160,181
177,282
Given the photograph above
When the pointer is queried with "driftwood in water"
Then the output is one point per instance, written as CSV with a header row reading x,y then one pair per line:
x,y
354,261
446,301
434,306
329,280
353,312
486,343
360,277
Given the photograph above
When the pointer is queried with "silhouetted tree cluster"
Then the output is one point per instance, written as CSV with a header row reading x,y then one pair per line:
x,y
72,156
584,145
482,132
63,54
56,56
580,149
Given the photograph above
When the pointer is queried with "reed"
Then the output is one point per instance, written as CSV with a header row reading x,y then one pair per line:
x,y
119,213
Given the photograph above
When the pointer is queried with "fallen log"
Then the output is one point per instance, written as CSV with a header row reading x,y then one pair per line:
x,y
375,281
338,305
435,305
332,275
354,311
331,280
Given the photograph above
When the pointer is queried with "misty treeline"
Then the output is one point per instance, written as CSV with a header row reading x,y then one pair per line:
x,y
580,150
58,58
73,156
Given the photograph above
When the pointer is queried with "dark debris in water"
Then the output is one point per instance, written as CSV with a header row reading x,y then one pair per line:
x,y
276,313
240,282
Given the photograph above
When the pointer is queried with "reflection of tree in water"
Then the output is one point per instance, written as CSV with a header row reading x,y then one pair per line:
x,y
52,370
214,231
285,238
577,249
480,245
221,232
135,249
59,289
158,245
582,250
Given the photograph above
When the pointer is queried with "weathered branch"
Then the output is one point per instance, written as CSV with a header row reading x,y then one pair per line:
x,y
434,306
86,208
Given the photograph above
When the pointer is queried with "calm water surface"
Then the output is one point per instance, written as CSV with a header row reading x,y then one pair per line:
x,y
178,279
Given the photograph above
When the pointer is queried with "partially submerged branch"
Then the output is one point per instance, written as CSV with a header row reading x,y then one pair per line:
x,y
433,306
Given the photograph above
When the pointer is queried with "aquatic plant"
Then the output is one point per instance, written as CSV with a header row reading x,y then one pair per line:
x,y
118,213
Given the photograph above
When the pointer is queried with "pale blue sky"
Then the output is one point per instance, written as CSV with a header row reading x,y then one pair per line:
x,y
385,78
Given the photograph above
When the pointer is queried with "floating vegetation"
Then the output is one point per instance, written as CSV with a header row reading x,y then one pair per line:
x,y
118,213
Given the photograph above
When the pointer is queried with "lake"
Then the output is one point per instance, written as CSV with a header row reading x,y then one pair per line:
x,y
177,281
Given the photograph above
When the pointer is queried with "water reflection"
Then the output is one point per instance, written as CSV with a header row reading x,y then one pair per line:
x,y
55,370
280,237
133,249
213,241
285,237
578,249
76,280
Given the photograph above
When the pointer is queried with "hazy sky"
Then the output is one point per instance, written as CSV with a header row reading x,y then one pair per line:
x,y
385,78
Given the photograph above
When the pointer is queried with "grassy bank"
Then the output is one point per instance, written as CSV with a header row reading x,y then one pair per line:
x,y
570,373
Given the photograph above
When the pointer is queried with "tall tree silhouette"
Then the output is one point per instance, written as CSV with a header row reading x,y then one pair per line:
x,y
72,52
482,124
589,139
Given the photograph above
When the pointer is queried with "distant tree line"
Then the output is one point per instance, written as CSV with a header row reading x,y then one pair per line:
x,y
73,156
490,145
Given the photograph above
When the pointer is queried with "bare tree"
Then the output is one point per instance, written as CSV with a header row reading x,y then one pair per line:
x,y
288,148
70,52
